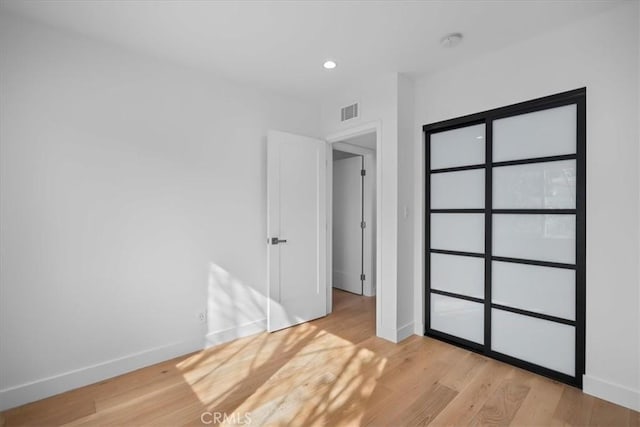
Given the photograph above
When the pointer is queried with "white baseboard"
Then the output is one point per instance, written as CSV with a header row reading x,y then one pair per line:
x,y
405,331
40,389
46,387
244,330
368,290
611,392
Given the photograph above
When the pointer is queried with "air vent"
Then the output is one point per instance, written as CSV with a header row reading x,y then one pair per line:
x,y
349,112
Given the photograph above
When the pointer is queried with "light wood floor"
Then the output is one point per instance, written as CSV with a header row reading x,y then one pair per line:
x,y
329,372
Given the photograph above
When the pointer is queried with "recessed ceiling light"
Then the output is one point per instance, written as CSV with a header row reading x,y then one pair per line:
x,y
329,65
451,40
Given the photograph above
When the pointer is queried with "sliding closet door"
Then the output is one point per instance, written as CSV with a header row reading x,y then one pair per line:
x,y
457,234
506,234
533,267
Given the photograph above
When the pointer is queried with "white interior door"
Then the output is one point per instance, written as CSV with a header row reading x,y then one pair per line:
x,y
296,226
347,231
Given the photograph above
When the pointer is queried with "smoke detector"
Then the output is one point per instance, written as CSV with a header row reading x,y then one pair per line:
x,y
451,40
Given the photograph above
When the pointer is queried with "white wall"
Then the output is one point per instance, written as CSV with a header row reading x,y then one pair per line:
x,y
133,197
600,53
406,125
387,99
377,97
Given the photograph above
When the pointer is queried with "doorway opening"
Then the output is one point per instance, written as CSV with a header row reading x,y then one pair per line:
x,y
349,222
352,215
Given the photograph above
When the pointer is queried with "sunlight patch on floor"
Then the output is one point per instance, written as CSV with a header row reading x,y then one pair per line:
x,y
298,376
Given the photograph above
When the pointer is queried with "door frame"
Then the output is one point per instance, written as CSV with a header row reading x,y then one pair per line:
x,y
334,140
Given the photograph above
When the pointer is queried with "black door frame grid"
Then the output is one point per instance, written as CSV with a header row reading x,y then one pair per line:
x,y
574,97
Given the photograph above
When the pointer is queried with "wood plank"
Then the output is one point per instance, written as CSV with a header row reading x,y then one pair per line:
x,y
464,371
502,405
471,398
56,410
607,414
539,405
428,405
392,405
574,408
634,419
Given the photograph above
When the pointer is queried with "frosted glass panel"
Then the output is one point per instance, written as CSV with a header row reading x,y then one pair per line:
x,y
543,133
543,290
549,185
538,341
537,237
455,190
458,317
458,232
458,147
458,274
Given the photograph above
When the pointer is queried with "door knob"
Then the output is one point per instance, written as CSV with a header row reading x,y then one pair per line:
x,y
275,241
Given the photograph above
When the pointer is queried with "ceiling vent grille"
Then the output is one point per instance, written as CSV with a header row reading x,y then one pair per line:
x,y
349,112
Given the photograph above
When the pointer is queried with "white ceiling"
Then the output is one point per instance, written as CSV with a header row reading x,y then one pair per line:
x,y
368,140
339,155
281,45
